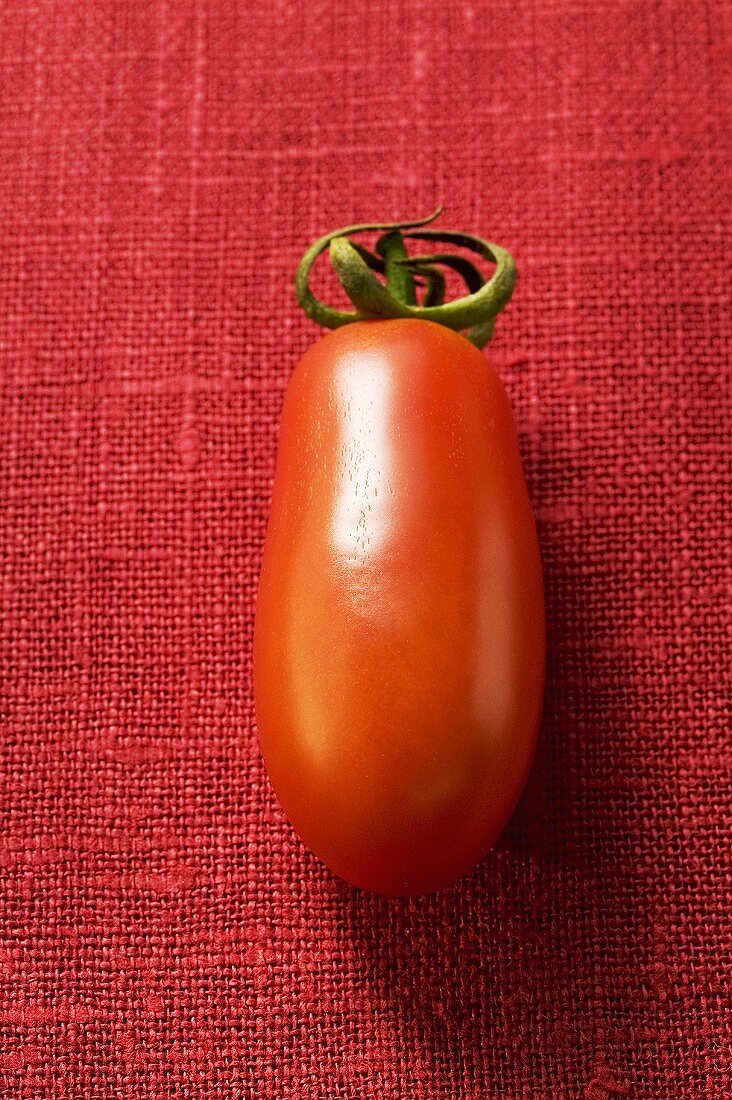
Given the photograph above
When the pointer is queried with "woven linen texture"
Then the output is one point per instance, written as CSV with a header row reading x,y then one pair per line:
x,y
163,933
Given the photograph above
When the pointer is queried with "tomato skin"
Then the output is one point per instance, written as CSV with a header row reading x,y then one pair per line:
x,y
399,638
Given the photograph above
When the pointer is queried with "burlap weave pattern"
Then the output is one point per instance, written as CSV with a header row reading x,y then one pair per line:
x,y
163,934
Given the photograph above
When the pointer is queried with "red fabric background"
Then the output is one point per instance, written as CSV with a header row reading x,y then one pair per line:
x,y
162,931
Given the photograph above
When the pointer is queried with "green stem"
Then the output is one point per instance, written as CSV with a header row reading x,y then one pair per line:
x,y
372,299
399,279
318,311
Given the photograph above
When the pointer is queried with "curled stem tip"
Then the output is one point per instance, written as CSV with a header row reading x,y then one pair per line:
x,y
357,268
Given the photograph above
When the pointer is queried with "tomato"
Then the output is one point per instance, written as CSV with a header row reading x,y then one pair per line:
x,y
399,639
